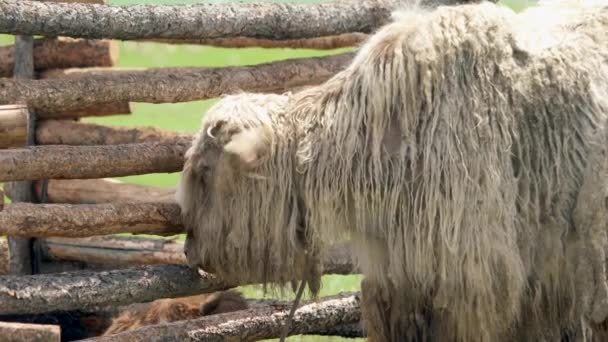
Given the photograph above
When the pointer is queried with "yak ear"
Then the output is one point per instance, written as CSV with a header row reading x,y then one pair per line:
x,y
250,146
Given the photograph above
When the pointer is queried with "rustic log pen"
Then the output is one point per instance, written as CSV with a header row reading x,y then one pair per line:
x,y
63,52
81,162
169,84
22,332
13,126
85,290
320,43
257,323
72,220
67,132
257,20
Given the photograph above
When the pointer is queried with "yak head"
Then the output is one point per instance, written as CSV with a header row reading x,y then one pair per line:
x,y
238,194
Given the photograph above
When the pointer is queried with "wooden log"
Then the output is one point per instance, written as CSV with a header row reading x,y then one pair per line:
x,y
22,332
84,290
63,52
82,162
107,190
257,323
13,126
116,251
320,43
4,256
257,20
169,84
67,132
101,109
120,251
71,220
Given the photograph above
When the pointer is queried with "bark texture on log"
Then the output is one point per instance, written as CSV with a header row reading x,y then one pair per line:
x,y
101,109
22,332
82,162
257,20
320,43
13,126
63,52
85,290
72,220
94,191
66,132
117,251
169,85
257,323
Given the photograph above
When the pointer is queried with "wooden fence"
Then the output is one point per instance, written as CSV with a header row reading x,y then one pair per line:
x,y
55,169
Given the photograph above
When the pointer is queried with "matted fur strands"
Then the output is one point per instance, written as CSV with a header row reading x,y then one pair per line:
x,y
463,151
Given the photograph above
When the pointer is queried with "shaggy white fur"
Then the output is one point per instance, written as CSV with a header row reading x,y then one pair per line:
x,y
463,151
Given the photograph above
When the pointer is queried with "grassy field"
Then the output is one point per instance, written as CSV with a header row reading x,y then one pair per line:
x,y
185,117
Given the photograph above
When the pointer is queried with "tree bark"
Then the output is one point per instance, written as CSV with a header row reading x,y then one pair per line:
x,y
21,332
258,20
83,162
257,323
168,85
65,132
94,191
84,290
13,126
101,109
63,52
70,220
320,43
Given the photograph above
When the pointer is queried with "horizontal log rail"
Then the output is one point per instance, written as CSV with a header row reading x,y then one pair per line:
x,y
257,20
116,251
23,332
67,132
257,323
168,85
105,190
100,109
82,162
86,290
84,220
63,52
321,43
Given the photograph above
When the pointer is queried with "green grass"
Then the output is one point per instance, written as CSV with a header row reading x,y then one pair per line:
x,y
185,117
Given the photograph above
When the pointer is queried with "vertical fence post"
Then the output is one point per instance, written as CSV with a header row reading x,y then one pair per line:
x,y
22,259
